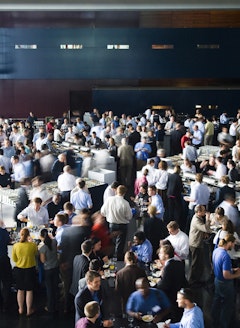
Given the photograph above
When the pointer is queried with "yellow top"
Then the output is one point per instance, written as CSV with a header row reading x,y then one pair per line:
x,y
24,254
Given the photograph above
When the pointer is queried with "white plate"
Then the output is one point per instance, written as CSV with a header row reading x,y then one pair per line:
x,y
106,265
147,318
157,274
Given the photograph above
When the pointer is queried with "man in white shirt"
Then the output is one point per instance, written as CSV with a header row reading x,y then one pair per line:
x,y
118,214
152,172
221,168
34,214
66,182
189,152
19,171
179,240
110,191
199,193
197,136
231,211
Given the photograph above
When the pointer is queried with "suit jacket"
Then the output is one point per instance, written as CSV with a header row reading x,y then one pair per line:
x,y
80,268
71,241
174,186
22,201
125,280
173,279
221,192
82,298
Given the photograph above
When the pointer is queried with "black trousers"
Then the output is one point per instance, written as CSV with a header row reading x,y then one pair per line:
x,y
120,239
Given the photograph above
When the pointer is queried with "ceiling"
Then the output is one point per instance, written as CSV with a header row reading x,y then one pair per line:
x,y
95,5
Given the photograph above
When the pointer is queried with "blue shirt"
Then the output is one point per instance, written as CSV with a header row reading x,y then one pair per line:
x,y
192,318
156,300
81,199
144,251
221,262
156,201
142,151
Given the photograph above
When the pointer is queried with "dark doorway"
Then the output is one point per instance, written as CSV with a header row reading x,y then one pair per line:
x,y
80,102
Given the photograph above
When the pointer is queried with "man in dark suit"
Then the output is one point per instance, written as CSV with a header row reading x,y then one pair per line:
x,y
94,140
22,198
133,136
223,191
174,194
72,238
127,276
81,265
172,278
92,292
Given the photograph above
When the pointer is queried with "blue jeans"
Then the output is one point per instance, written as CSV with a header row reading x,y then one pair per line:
x,y
51,282
223,308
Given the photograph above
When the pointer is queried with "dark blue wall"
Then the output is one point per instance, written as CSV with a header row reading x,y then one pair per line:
x,y
94,61
183,101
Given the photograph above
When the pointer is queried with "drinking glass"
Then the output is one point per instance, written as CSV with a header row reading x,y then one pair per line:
x,y
130,320
112,317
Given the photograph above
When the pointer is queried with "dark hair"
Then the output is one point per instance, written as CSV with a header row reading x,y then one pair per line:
x,y
91,275
140,235
46,239
130,257
95,265
114,184
152,187
82,184
187,294
63,218
86,246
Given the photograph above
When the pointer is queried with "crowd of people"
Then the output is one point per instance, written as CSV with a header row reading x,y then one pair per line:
x,y
76,243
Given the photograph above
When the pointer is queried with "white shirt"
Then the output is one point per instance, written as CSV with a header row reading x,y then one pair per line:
x,y
197,137
162,179
117,210
108,193
236,153
151,177
190,153
180,244
40,192
66,181
220,171
232,130
19,172
232,213
39,143
36,218
199,193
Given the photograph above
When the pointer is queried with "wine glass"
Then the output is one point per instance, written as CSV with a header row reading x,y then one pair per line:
x,y
112,318
130,320
150,313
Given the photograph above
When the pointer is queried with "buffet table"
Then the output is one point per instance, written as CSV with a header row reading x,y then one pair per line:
x,y
96,189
